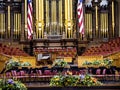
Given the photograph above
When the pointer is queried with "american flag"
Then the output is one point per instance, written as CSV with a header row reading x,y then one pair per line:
x,y
29,19
80,17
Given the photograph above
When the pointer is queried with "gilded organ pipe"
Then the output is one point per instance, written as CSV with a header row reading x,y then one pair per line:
x,y
68,11
19,24
42,8
71,11
87,24
60,17
8,21
66,6
54,17
47,16
105,27
113,21
107,24
1,24
41,17
96,14
39,10
25,18
16,25
101,24
90,25
66,17
37,7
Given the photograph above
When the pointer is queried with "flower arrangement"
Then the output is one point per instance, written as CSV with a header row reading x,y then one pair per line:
x,y
59,63
10,84
11,64
106,62
97,62
87,63
15,63
71,80
89,81
25,64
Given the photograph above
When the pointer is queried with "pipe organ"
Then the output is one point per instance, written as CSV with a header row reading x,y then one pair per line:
x,y
2,25
58,17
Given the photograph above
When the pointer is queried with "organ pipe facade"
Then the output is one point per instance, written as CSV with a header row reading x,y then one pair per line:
x,y
58,18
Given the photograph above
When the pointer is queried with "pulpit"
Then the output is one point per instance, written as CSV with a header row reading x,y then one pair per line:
x,y
44,58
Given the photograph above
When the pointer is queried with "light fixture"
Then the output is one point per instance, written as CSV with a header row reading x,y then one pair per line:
x,y
96,1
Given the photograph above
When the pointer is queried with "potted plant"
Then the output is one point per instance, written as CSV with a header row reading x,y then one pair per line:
x,y
60,64
10,84
74,80
10,64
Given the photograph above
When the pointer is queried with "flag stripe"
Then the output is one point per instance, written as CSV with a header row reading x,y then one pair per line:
x,y
29,19
80,17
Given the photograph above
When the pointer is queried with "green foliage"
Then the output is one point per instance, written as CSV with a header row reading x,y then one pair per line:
x,y
70,80
106,62
89,81
12,63
56,81
59,63
15,63
26,64
10,84
87,63
97,62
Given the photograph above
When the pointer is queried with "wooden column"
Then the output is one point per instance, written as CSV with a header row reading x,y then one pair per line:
x,y
117,18
22,34
110,19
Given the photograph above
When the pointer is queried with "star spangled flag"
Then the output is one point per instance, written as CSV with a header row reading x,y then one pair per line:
x,y
80,17
29,19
